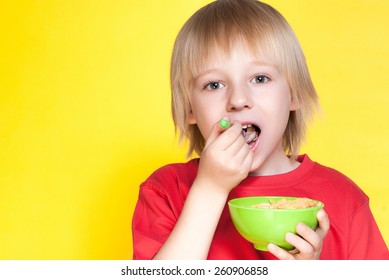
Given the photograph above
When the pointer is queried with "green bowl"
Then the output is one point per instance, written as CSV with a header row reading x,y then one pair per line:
x,y
262,226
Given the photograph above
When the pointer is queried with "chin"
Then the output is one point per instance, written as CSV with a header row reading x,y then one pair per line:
x,y
256,167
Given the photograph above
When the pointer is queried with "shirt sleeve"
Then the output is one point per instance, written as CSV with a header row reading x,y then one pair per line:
x,y
364,230
152,222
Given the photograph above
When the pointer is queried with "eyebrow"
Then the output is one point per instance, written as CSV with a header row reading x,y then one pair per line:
x,y
206,72
253,63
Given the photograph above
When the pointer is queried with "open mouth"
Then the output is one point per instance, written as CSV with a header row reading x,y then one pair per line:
x,y
250,133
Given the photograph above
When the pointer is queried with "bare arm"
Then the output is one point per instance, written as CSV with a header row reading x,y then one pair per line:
x,y
225,162
193,233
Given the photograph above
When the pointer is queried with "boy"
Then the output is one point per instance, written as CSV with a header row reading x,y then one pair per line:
x,y
239,61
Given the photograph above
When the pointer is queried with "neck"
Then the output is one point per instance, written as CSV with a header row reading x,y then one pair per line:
x,y
274,165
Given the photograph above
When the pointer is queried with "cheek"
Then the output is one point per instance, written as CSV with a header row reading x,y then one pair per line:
x,y
205,115
276,112
277,107
282,116
196,108
283,103
202,119
205,123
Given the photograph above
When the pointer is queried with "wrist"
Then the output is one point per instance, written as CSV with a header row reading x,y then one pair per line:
x,y
210,188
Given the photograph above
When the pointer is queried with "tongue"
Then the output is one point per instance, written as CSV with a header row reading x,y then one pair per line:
x,y
249,136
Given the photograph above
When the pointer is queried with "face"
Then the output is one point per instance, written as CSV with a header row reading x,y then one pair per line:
x,y
245,89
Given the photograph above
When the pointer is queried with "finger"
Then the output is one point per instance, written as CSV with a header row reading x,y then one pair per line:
x,y
242,149
217,129
238,145
307,242
310,235
314,238
248,162
279,252
324,223
244,158
232,138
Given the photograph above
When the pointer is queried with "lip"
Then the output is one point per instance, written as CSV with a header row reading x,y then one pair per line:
x,y
248,122
256,143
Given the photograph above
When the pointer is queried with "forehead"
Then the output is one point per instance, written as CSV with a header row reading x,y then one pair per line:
x,y
216,29
235,57
216,53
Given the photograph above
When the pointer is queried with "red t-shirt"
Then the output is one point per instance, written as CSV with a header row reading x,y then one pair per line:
x,y
353,231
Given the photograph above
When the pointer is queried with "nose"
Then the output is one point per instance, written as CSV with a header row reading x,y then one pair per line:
x,y
239,99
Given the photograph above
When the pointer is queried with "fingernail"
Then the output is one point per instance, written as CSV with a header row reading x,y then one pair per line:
x,y
224,123
289,236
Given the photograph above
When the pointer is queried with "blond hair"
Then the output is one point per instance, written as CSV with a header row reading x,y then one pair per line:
x,y
218,26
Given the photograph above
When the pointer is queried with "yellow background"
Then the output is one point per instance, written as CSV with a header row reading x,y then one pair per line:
x,y
85,112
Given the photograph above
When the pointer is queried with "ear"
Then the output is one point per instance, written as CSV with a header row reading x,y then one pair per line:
x,y
294,103
191,118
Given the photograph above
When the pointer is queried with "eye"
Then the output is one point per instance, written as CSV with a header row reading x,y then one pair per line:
x,y
213,86
260,79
